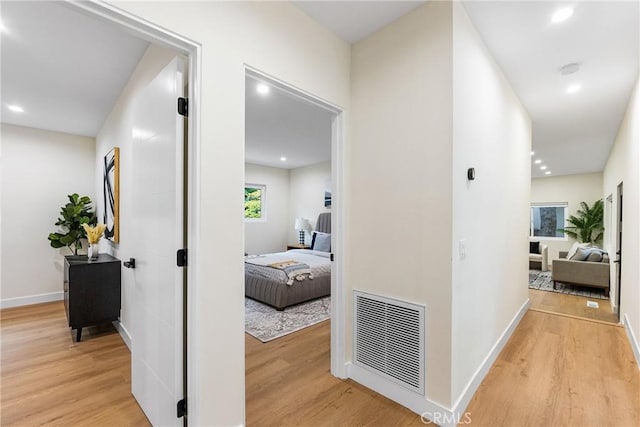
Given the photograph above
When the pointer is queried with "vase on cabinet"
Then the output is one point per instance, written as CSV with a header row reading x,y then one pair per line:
x,y
92,252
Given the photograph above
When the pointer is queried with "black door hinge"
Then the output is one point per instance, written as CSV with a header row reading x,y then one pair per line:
x,y
183,107
182,408
181,257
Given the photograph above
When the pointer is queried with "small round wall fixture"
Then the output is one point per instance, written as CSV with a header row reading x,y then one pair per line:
x,y
565,70
471,174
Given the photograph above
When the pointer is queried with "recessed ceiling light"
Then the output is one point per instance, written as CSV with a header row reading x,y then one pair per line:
x,y
547,173
537,162
15,108
3,29
562,14
542,168
533,152
283,159
262,89
574,88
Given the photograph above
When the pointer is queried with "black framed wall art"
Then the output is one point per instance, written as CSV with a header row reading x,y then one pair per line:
x,y
111,194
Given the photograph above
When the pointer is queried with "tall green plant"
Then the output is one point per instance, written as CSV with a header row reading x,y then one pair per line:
x,y
72,216
588,225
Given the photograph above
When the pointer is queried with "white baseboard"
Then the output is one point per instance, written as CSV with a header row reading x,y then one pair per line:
x,y
126,336
471,388
632,339
430,411
32,299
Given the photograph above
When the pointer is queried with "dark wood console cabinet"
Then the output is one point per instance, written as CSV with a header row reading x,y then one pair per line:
x,y
91,290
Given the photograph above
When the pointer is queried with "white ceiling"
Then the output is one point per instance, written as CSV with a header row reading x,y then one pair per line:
x,y
281,125
572,133
67,70
355,20
64,68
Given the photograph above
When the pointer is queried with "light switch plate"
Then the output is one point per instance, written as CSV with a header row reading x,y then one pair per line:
x,y
462,248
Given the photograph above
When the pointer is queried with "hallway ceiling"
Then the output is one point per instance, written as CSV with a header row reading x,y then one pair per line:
x,y
572,132
65,69
355,20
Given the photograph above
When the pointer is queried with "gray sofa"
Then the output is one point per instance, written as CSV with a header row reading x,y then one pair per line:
x,y
581,273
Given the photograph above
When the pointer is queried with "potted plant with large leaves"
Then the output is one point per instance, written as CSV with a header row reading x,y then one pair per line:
x,y
72,215
588,225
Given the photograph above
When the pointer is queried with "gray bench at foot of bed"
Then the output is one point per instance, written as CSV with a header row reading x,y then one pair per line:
x,y
280,295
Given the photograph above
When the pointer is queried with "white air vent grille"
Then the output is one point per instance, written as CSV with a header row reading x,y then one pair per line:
x,y
389,339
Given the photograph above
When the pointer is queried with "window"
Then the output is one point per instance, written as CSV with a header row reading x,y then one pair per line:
x,y
547,219
254,202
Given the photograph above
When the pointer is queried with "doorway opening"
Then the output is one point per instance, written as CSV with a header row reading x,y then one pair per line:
x,y
293,233
174,141
559,281
618,247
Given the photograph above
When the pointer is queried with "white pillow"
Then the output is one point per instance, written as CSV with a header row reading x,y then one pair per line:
x,y
581,254
321,242
574,249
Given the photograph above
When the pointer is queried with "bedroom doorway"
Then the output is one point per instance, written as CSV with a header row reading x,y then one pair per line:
x,y
293,232
618,254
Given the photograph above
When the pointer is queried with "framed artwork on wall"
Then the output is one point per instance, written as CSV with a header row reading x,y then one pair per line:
x,y
111,194
327,194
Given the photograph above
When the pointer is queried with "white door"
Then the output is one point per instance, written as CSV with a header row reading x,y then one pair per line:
x,y
158,189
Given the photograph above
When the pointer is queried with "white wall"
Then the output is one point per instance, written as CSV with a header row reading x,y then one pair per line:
x,y
306,196
623,165
291,193
491,133
269,235
279,39
117,132
428,103
400,194
39,169
571,189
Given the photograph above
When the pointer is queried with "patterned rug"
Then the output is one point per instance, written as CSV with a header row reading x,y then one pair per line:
x,y
266,323
541,280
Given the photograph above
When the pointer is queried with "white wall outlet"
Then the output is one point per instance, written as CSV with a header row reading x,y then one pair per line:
x,y
462,248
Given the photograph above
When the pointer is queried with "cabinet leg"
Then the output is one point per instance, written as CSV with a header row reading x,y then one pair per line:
x,y
79,334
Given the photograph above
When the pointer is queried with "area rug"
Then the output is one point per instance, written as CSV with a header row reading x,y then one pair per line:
x,y
541,280
266,323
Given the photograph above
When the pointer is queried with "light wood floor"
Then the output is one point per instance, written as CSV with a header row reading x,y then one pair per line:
x,y
288,383
48,379
572,305
554,371
561,371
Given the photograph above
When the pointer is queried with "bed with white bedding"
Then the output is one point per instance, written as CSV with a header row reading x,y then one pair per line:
x,y
288,278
